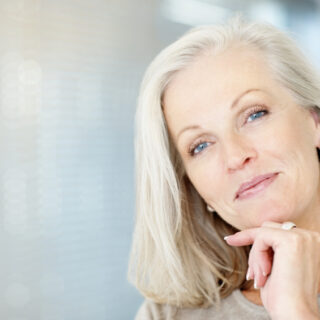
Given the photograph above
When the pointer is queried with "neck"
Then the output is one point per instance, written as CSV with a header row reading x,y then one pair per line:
x,y
253,296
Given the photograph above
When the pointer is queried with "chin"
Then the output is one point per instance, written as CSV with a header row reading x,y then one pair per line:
x,y
270,212
278,217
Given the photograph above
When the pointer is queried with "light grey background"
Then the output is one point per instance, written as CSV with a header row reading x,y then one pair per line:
x,y
70,72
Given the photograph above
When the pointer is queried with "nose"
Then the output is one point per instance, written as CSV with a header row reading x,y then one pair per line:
x,y
238,152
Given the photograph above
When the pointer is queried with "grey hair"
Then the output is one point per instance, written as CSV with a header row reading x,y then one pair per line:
x,y
178,253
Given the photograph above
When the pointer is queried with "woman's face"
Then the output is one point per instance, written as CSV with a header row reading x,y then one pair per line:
x,y
244,124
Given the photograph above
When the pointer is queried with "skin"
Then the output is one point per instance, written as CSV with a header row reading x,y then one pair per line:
x,y
236,146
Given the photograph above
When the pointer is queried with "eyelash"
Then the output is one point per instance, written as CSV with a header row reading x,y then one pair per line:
x,y
247,115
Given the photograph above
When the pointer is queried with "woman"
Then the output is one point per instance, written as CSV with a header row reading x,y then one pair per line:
x,y
227,134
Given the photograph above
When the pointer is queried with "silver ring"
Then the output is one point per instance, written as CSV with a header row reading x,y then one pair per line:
x,y
288,225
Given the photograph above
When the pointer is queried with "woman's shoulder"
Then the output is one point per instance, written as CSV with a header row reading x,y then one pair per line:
x,y
154,311
150,310
235,306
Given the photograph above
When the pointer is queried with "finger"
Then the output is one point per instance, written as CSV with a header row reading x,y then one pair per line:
x,y
258,281
242,238
247,236
250,274
265,262
261,262
272,237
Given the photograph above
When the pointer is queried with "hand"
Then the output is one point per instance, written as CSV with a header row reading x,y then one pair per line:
x,y
291,261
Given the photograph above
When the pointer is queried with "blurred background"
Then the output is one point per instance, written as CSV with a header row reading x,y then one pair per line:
x,y
70,71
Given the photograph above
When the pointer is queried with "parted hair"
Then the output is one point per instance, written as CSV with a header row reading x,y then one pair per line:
x,y
178,253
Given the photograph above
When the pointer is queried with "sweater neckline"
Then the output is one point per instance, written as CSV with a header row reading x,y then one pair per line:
x,y
241,299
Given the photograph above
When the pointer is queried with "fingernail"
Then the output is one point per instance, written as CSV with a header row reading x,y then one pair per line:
x,y
264,273
226,237
256,285
248,273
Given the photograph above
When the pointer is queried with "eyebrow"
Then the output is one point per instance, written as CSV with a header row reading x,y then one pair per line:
x,y
234,103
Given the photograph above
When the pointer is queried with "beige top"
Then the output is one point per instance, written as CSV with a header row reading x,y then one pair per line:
x,y
235,306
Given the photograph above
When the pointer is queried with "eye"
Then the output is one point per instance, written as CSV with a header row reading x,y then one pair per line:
x,y
197,147
256,113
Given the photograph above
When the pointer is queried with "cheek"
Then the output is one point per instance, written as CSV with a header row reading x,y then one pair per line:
x,y
294,147
204,177
286,139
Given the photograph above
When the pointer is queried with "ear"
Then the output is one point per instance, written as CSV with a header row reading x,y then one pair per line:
x,y
316,117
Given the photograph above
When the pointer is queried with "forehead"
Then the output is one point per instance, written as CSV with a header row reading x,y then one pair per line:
x,y
231,70
213,81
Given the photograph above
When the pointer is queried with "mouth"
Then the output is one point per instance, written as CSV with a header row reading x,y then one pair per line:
x,y
256,185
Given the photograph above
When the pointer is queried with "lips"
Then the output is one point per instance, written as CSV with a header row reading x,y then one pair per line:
x,y
253,182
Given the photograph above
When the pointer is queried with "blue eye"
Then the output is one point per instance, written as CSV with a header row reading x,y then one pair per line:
x,y
263,112
197,148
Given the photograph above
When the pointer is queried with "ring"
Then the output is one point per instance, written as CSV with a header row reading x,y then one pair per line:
x,y
288,225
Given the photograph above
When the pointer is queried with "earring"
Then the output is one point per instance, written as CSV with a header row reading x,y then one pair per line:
x,y
210,208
